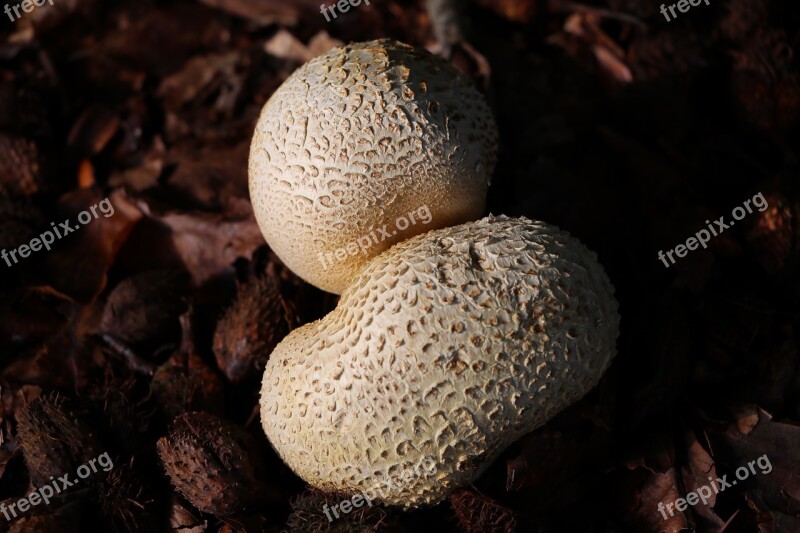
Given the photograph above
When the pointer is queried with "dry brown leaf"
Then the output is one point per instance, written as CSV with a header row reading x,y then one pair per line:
x,y
660,488
610,56
209,244
778,484
92,131
89,250
213,177
696,474
747,419
195,76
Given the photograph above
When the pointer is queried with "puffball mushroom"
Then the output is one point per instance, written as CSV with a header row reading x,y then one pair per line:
x,y
355,139
445,349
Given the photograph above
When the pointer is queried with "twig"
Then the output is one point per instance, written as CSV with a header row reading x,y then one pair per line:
x,y
569,7
136,363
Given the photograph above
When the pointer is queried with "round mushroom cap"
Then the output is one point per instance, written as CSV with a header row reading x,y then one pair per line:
x,y
444,350
363,147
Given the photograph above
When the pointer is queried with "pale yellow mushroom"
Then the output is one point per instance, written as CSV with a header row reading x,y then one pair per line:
x,y
443,351
358,138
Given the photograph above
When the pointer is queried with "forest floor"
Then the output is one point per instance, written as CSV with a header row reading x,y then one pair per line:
x,y
627,130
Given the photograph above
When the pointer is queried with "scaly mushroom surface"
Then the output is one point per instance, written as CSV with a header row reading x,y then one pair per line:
x,y
445,349
356,139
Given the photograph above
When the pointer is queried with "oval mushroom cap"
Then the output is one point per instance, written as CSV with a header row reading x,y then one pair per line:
x,y
444,350
356,139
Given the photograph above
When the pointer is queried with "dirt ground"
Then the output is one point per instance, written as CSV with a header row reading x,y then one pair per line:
x,y
632,132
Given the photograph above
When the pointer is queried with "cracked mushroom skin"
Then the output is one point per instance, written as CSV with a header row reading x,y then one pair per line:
x,y
445,349
355,139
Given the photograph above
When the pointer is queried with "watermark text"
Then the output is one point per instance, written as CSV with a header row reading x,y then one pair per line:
x,y
43,494
423,469
704,492
702,237
63,229
422,214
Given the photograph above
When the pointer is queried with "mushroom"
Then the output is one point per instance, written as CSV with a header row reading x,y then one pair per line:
x,y
356,139
444,349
